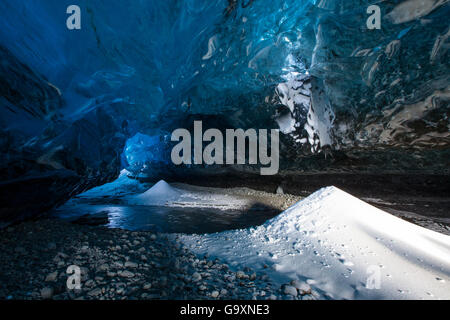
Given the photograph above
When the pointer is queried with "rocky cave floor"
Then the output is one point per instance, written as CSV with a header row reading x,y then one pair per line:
x,y
117,265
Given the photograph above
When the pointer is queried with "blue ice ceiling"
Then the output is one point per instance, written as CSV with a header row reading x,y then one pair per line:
x,y
74,101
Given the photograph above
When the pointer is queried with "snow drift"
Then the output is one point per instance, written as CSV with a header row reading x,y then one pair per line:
x,y
163,194
343,247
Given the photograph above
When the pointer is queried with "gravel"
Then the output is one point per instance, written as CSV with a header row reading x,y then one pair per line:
x,y
115,265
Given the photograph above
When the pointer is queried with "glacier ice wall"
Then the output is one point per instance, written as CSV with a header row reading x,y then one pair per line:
x,y
345,97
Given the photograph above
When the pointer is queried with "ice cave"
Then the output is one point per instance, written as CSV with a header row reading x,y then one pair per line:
x,y
98,99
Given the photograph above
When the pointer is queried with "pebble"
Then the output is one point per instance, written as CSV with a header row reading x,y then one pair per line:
x,y
130,264
147,286
302,287
95,292
111,271
47,293
89,283
290,290
104,267
196,277
52,277
126,274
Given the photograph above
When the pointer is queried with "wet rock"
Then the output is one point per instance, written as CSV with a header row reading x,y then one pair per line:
x,y
147,286
89,283
104,267
52,277
95,292
126,274
130,264
290,290
196,277
302,287
47,293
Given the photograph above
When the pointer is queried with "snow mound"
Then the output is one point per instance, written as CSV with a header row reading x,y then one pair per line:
x,y
343,248
161,189
163,194
160,194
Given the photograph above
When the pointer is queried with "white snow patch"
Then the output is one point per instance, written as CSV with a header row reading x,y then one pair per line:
x,y
160,194
163,194
336,243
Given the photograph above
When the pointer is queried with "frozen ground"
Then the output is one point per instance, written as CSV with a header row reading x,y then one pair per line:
x,y
342,247
174,208
162,194
331,243
128,191
183,195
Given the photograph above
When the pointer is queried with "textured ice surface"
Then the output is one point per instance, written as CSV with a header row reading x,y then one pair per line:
x,y
153,57
142,151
